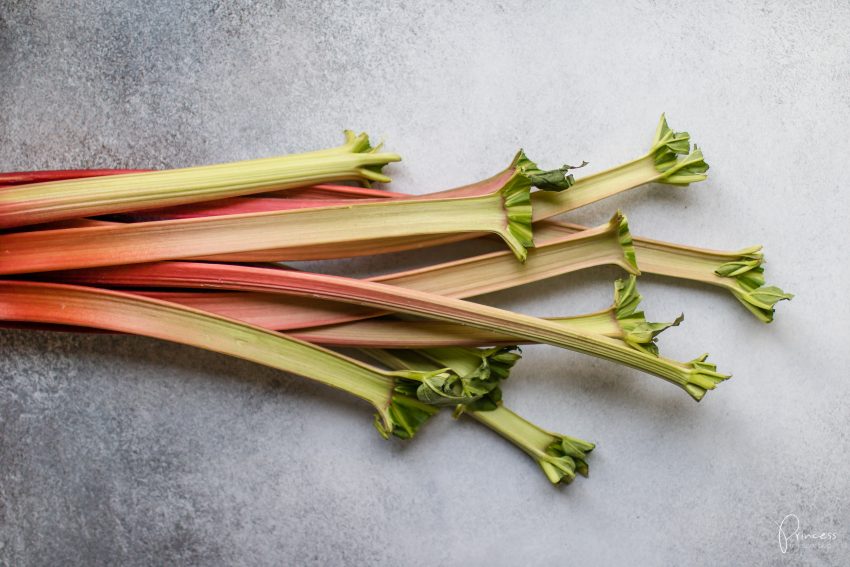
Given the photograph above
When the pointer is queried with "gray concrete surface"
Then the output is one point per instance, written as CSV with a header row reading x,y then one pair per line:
x,y
129,451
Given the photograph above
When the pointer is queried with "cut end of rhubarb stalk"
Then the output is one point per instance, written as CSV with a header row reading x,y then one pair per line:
x,y
552,180
666,149
750,288
760,301
359,143
372,166
440,387
638,333
403,417
565,457
492,365
516,199
702,376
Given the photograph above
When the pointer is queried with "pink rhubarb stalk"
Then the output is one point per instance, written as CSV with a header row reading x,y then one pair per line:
x,y
60,304
694,377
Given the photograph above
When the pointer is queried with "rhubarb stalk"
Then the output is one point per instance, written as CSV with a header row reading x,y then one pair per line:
x,y
505,211
559,456
561,254
695,377
741,272
661,164
26,177
399,414
37,203
669,161
621,320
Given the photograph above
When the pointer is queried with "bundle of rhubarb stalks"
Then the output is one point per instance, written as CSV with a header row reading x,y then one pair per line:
x,y
197,256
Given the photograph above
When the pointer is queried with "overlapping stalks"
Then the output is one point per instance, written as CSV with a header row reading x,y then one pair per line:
x,y
163,254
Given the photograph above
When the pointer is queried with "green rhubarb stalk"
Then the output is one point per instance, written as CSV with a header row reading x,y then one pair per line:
x,y
36,203
661,164
491,365
669,161
741,272
695,377
608,244
397,413
505,212
559,456
621,321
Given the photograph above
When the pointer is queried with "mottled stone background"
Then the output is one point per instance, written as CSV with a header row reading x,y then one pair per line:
x,y
129,451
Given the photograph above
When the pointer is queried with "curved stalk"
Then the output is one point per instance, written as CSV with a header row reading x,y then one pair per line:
x,y
61,304
559,456
695,377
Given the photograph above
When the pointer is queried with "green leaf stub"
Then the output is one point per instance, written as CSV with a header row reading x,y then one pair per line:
x,y
565,457
488,368
551,180
371,161
690,169
760,301
638,333
702,376
626,243
359,143
488,402
749,288
406,416
516,199
667,147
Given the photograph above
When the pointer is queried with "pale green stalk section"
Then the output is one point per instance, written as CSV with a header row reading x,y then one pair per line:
x,y
660,164
58,200
621,321
559,456
741,272
376,333
608,244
